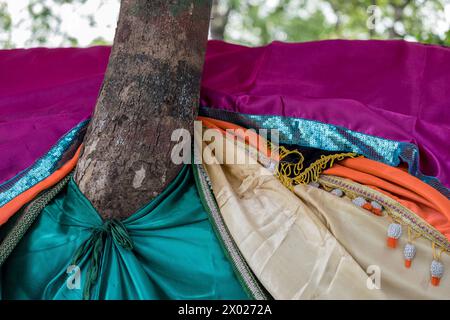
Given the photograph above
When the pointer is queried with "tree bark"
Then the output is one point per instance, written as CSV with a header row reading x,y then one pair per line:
x,y
151,88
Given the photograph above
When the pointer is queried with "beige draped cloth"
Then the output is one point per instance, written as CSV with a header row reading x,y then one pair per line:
x,y
310,244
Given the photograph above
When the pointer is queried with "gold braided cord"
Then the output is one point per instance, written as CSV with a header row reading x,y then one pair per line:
x,y
285,170
437,255
393,210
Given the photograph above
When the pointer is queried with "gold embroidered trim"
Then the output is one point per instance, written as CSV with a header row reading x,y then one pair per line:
x,y
394,210
285,170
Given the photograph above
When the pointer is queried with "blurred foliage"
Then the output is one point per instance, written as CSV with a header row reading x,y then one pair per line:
x,y
44,22
5,27
100,41
257,22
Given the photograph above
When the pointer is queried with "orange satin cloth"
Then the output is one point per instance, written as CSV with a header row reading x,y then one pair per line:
x,y
408,190
411,192
10,208
396,183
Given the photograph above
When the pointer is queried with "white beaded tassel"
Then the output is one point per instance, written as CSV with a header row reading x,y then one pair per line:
x,y
359,201
437,271
409,252
376,208
314,184
436,268
394,233
337,192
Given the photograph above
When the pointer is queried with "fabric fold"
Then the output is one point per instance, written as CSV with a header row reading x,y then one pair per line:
x,y
175,253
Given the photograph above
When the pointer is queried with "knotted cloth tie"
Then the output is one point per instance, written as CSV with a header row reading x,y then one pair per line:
x,y
94,247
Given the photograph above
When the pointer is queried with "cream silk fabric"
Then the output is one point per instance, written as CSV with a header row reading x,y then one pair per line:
x,y
363,235
311,244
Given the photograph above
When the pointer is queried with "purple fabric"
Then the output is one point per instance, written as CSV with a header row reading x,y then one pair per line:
x,y
390,89
43,94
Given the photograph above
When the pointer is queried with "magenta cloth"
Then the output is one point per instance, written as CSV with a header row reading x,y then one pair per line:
x,y
391,89
43,94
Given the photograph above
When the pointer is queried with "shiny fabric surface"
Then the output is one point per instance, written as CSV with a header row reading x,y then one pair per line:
x,y
424,206
310,244
309,133
44,93
175,254
391,89
289,250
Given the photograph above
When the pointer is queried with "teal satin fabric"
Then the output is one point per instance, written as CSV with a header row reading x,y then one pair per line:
x,y
166,250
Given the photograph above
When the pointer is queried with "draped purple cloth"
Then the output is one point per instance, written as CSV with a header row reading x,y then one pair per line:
x,y
391,89
43,94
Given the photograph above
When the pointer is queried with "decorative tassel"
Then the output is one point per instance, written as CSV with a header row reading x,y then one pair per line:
x,y
337,192
436,268
359,201
409,252
372,206
367,206
394,233
314,184
437,271
377,208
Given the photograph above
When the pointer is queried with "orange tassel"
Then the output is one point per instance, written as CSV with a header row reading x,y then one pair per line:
x,y
391,242
377,212
409,253
435,281
367,206
437,271
394,233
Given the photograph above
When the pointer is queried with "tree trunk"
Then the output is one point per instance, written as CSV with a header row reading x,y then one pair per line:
x,y
151,87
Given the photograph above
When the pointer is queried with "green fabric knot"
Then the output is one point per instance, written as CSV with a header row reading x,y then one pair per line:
x,y
94,247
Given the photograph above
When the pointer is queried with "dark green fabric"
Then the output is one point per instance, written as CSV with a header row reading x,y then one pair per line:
x,y
166,250
17,226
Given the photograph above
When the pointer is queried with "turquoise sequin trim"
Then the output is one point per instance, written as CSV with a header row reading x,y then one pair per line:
x,y
42,168
303,132
315,134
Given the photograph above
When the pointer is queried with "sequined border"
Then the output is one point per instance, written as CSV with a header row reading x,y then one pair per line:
x,y
315,134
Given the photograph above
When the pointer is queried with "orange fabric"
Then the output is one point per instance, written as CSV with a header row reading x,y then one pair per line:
x,y
400,177
431,215
261,144
391,243
9,209
396,183
411,192
435,281
408,264
372,180
211,125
